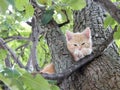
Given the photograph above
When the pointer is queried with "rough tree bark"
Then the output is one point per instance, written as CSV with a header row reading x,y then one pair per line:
x,y
101,74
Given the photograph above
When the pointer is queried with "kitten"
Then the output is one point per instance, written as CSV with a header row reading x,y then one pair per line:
x,y
49,69
79,44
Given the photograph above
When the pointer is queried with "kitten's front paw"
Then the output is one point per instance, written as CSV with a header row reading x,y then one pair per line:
x,y
78,56
86,51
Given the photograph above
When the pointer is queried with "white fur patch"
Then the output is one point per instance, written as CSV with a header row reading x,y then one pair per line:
x,y
78,54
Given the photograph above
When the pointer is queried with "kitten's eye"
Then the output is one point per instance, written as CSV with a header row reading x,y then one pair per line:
x,y
75,44
82,43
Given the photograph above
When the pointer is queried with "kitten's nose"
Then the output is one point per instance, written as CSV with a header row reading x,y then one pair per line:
x,y
79,48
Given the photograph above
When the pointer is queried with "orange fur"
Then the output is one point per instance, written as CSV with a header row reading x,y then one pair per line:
x,y
49,69
79,44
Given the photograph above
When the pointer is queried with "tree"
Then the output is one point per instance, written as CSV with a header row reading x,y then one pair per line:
x,y
100,70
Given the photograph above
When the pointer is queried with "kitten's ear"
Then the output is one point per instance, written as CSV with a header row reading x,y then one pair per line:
x,y
87,32
68,35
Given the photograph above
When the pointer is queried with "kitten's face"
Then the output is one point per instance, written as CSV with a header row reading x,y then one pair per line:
x,y
79,44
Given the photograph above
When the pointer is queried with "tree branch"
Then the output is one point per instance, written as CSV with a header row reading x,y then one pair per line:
x,y
17,37
11,38
24,45
72,69
113,10
7,61
29,23
13,55
79,64
36,31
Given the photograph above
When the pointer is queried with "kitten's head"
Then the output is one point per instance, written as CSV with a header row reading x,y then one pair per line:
x,y
78,43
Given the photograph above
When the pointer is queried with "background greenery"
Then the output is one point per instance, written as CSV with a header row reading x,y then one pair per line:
x,y
13,17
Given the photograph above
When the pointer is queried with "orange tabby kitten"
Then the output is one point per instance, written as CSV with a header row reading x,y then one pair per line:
x,y
49,69
79,44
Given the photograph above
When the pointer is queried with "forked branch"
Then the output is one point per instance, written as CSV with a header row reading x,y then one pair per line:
x,y
11,52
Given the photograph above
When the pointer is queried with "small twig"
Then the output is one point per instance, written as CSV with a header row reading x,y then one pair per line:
x,y
22,48
17,38
12,53
115,29
66,22
24,45
29,23
7,61
11,38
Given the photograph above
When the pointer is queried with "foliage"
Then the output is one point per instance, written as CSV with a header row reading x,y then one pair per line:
x,y
47,16
43,52
24,7
115,0
109,21
3,6
12,23
22,80
58,7
3,54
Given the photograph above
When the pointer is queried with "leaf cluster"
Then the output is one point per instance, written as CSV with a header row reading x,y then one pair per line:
x,y
18,79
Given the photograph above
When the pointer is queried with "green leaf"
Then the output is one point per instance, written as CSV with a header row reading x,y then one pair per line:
x,y
47,16
20,4
117,41
10,73
13,84
35,83
77,4
11,2
29,11
53,87
44,2
113,0
3,54
3,6
25,7
52,81
109,21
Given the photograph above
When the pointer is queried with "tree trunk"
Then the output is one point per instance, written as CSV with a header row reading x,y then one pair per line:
x,y
101,74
